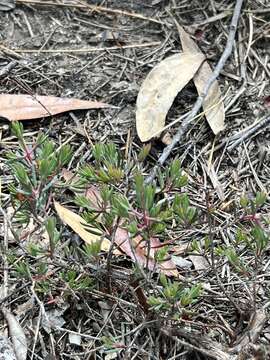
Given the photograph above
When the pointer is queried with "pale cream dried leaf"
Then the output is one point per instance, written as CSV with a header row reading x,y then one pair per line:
x,y
213,105
80,226
159,90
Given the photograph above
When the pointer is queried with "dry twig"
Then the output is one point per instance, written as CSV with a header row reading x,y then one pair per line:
x,y
249,132
6,69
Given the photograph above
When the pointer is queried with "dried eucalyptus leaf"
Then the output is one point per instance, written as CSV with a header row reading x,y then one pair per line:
x,y
213,104
159,90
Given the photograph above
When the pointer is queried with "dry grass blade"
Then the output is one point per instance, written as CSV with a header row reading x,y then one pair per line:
x,y
159,90
26,107
80,226
16,334
213,105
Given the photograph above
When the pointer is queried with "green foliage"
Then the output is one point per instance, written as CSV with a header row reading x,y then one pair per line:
x,y
107,165
175,175
260,239
120,205
174,296
172,177
76,282
43,286
50,225
185,213
143,210
162,209
252,237
35,170
34,250
144,152
233,258
22,269
253,205
92,251
161,254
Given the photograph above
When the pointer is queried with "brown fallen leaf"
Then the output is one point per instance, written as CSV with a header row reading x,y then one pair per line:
x,y
92,193
159,90
26,107
213,104
80,226
137,250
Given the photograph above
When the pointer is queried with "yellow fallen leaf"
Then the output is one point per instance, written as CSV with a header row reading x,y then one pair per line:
x,y
213,104
159,90
80,226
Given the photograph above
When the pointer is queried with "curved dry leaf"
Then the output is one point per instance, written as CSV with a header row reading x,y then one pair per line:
x,y
16,335
80,226
26,107
159,90
213,104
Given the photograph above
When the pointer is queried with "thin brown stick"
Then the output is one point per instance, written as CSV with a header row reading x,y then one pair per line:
x,y
189,119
